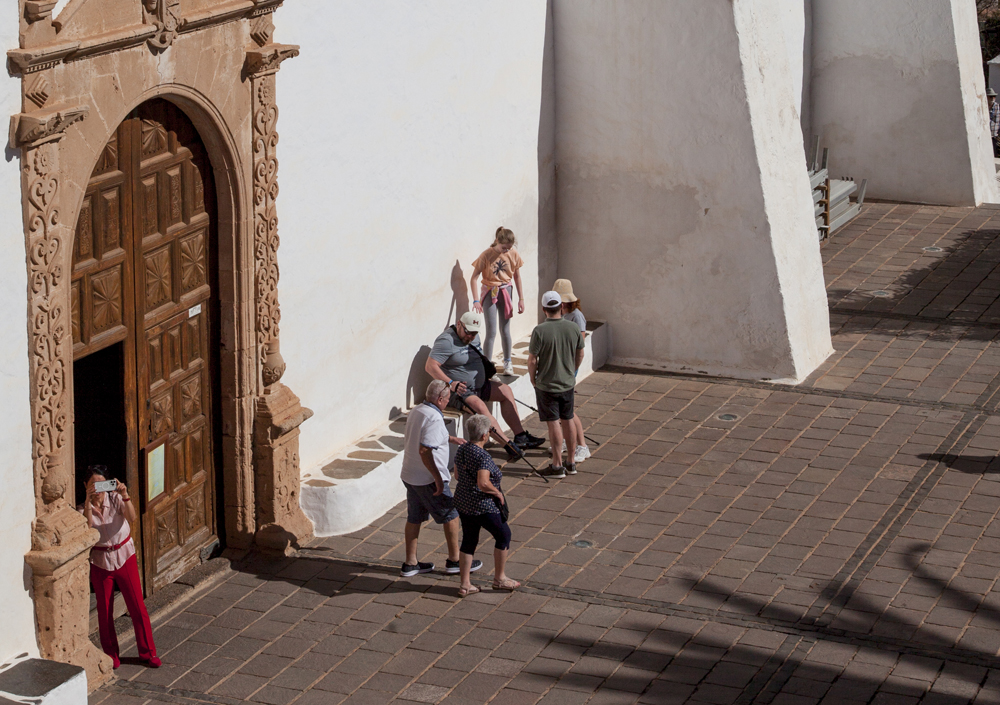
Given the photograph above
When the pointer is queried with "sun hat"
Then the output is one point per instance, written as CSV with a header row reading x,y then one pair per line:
x,y
472,321
551,299
990,93
564,287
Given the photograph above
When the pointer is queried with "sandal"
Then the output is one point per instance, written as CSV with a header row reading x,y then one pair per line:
x,y
506,584
465,592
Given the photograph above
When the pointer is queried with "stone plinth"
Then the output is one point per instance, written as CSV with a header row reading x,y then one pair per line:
x,y
60,569
282,525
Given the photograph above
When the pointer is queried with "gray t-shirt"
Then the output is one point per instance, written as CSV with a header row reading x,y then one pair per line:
x,y
424,427
577,318
457,361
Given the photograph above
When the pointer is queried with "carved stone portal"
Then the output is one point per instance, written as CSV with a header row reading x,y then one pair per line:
x,y
60,537
281,523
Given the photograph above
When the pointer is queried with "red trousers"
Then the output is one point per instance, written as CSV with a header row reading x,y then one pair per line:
x,y
127,580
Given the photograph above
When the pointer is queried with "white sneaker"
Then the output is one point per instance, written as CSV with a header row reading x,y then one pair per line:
x,y
508,368
564,446
581,454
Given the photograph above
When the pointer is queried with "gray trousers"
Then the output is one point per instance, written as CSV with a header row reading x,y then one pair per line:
x,y
493,312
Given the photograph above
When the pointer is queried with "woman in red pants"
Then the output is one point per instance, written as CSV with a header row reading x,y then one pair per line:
x,y
112,562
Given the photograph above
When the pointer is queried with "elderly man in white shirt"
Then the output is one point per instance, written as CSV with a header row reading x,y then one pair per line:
x,y
426,477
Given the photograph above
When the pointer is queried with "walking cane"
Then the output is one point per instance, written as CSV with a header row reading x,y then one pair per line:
x,y
596,444
509,446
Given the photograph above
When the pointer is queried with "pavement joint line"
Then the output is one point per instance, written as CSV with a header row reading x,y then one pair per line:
x,y
126,687
857,567
915,318
775,673
794,389
801,629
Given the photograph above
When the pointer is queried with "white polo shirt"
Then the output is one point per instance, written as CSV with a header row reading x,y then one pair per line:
x,y
425,427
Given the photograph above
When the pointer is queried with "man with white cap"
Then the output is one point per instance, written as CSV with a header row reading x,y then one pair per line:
x,y
555,353
458,360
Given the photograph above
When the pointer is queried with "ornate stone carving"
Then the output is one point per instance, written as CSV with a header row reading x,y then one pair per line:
x,y
51,355
60,538
36,10
35,128
38,91
263,29
268,59
165,15
265,191
279,516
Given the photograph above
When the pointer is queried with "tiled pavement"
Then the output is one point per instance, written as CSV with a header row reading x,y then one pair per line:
x,y
835,542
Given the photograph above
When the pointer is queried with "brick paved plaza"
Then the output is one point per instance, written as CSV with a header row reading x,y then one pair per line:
x,y
836,542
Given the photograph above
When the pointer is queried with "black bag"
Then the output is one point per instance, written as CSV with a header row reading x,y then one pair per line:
x,y
491,369
504,507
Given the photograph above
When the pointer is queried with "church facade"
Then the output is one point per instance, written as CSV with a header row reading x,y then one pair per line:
x,y
158,321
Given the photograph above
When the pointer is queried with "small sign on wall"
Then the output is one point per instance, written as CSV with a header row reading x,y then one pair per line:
x,y
156,469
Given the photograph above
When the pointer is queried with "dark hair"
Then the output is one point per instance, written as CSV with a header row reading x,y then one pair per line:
x,y
92,470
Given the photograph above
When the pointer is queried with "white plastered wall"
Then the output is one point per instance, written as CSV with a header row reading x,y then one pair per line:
x,y
898,96
684,212
408,134
17,499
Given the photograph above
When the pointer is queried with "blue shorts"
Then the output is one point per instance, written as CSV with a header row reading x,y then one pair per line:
x,y
422,504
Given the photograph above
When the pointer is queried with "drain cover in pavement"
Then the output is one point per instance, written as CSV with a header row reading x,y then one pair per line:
x,y
881,294
933,249
583,543
727,417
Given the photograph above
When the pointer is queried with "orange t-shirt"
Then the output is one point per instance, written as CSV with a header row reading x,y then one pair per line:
x,y
498,268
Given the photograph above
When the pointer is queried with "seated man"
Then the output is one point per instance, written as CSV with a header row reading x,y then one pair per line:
x,y
457,359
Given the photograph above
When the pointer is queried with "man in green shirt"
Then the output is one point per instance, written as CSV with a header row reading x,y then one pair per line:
x,y
555,353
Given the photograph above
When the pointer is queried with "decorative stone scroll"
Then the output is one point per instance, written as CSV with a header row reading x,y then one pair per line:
x,y
165,15
261,65
60,537
282,525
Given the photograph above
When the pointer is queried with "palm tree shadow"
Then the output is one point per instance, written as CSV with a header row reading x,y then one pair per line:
x,y
969,464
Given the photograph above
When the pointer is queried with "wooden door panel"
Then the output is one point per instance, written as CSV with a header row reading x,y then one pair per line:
x,y
111,214
142,274
106,306
176,286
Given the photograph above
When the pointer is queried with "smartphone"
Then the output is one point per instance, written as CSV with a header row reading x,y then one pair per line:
x,y
106,486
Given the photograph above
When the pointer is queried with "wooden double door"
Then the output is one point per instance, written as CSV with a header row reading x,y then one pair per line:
x,y
143,282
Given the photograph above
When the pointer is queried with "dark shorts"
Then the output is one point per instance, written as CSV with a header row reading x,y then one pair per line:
x,y
422,504
554,405
483,394
472,523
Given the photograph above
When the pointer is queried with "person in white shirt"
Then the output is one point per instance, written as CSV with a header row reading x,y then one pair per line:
x,y
426,477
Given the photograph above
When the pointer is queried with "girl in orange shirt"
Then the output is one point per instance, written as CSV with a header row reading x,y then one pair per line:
x,y
500,267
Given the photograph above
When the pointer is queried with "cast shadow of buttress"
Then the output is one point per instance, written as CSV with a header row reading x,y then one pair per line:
x,y
418,379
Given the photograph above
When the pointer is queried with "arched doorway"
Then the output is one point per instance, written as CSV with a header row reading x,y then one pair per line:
x,y
145,333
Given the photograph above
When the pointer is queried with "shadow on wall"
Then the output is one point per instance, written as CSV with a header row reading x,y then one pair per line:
x,y
418,379
548,252
459,295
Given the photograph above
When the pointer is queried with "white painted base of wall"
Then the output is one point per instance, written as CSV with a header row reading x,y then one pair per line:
x,y
41,682
338,507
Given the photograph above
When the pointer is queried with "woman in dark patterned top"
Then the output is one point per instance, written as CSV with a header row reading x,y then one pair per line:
x,y
478,499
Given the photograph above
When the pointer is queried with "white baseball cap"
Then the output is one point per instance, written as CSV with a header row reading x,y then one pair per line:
x,y
472,321
551,299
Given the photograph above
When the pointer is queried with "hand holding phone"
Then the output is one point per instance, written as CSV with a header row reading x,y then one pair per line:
x,y
106,486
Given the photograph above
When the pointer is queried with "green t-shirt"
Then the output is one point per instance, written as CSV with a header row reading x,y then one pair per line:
x,y
555,342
